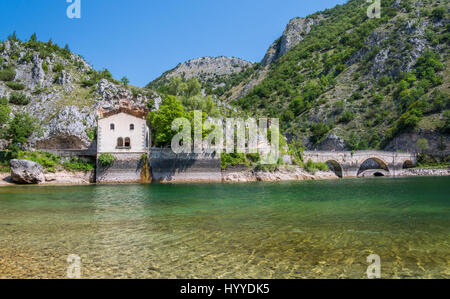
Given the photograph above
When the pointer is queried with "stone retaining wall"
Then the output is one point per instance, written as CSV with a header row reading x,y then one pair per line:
x,y
166,166
126,169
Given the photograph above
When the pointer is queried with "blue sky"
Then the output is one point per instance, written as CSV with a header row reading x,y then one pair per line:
x,y
141,39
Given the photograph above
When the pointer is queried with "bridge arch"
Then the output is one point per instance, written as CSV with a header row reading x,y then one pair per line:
x,y
408,164
373,163
334,166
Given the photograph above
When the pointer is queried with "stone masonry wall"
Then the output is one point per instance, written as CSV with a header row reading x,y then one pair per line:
x,y
166,166
126,169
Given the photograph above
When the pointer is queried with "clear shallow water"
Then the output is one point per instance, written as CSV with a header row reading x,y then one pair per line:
x,y
322,229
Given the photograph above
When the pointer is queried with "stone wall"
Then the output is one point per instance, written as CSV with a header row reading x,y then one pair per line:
x,y
126,169
166,166
85,155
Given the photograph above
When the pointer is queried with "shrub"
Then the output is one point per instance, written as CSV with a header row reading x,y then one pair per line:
x,y
88,83
347,117
92,134
58,68
438,13
384,81
422,145
4,111
377,99
7,74
339,106
15,85
51,170
75,164
356,96
45,66
125,81
312,167
233,159
445,128
19,99
319,131
106,159
47,160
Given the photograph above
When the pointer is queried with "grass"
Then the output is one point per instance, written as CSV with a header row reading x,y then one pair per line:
x,y
4,167
53,163
313,167
75,164
433,166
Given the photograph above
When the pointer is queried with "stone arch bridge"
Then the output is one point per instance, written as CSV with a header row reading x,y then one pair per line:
x,y
352,164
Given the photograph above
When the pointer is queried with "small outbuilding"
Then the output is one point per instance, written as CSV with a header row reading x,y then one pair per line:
x,y
124,134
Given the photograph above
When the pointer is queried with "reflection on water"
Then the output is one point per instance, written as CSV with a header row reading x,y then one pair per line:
x,y
322,229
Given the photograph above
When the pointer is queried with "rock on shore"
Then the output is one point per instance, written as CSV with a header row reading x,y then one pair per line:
x,y
26,172
283,174
425,172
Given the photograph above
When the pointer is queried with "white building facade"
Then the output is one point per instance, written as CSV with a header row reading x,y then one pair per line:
x,y
123,133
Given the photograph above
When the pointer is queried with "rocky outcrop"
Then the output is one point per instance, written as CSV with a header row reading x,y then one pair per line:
x,y
294,33
66,130
205,68
408,142
64,79
331,143
37,72
70,178
26,172
409,38
62,101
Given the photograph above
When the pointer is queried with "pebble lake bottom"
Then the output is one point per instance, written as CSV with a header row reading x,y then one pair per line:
x,y
308,229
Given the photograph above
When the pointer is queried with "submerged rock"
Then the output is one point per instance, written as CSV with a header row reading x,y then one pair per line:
x,y
26,172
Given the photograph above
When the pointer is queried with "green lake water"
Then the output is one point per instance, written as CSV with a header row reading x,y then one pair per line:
x,y
310,229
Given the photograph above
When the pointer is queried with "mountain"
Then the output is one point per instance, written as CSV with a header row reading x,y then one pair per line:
x,y
61,90
205,69
338,79
235,77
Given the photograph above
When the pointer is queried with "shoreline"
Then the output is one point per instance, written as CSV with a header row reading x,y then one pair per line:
x,y
66,178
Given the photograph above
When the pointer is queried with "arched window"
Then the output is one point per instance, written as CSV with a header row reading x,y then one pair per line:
x,y
127,142
132,127
111,126
120,142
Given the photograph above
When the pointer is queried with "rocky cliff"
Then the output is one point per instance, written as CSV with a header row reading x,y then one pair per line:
x,y
204,69
61,90
233,78
295,32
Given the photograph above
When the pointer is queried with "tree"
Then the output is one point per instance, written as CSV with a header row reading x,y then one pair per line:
x,y
4,112
193,87
13,37
19,130
319,131
161,120
125,81
422,145
33,38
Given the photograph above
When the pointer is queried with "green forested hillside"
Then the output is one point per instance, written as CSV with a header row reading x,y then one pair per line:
x,y
365,80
